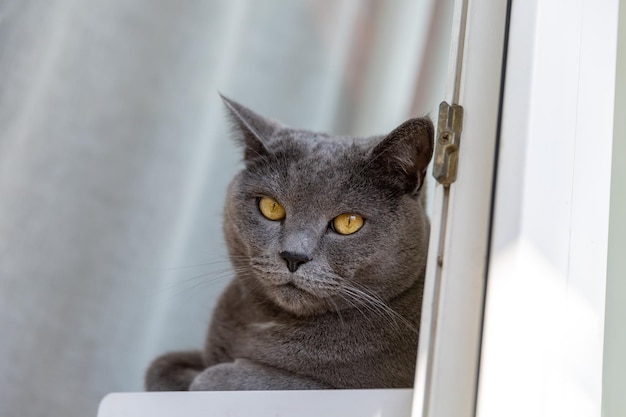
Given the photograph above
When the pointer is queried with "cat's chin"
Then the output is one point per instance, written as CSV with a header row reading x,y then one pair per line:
x,y
298,301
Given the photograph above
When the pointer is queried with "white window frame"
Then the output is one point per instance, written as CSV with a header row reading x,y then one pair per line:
x,y
450,333
544,321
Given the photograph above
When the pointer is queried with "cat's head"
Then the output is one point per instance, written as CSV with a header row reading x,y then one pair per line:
x,y
317,223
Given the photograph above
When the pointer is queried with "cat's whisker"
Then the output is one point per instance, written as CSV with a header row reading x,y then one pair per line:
x,y
334,305
362,301
204,264
180,286
349,300
381,307
215,273
179,290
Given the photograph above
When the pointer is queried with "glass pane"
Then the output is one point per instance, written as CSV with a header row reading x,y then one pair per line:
x,y
115,155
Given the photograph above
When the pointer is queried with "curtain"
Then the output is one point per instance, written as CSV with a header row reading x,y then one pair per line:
x,y
115,157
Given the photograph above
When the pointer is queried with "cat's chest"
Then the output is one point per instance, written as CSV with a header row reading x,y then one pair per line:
x,y
353,349
321,340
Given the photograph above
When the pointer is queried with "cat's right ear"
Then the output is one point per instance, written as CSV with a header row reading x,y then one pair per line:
x,y
252,131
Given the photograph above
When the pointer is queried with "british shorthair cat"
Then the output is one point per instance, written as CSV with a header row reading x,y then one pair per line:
x,y
328,239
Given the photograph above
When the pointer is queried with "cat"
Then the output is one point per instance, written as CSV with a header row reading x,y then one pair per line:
x,y
328,238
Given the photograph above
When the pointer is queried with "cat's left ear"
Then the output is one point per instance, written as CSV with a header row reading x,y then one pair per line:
x,y
403,155
252,131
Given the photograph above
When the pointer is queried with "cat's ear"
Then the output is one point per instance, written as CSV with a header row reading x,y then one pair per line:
x,y
252,131
403,155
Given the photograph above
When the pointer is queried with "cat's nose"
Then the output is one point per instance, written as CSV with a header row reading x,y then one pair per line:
x,y
294,260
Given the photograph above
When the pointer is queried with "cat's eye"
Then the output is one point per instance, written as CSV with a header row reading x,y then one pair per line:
x,y
347,223
271,208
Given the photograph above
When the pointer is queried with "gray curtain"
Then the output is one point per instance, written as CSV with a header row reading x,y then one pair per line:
x,y
114,158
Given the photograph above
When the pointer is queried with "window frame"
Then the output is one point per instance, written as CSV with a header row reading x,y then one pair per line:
x,y
544,321
456,271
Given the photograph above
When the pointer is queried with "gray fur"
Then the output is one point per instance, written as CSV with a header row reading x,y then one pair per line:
x,y
349,317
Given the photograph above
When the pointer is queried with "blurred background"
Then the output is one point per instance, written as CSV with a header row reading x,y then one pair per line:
x,y
115,156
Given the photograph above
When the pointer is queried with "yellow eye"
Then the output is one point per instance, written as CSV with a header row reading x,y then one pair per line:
x,y
271,209
346,224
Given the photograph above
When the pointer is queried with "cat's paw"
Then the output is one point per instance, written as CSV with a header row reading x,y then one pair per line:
x,y
243,374
173,371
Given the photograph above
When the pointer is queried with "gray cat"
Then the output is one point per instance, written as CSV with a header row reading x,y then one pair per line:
x,y
328,239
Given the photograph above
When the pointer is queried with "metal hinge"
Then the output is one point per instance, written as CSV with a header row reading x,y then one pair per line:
x,y
447,146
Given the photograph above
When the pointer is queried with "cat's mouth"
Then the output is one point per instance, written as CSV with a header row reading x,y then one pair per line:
x,y
295,285
297,291
298,299
293,289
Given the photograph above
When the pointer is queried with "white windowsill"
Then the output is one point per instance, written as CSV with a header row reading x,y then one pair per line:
x,y
327,403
